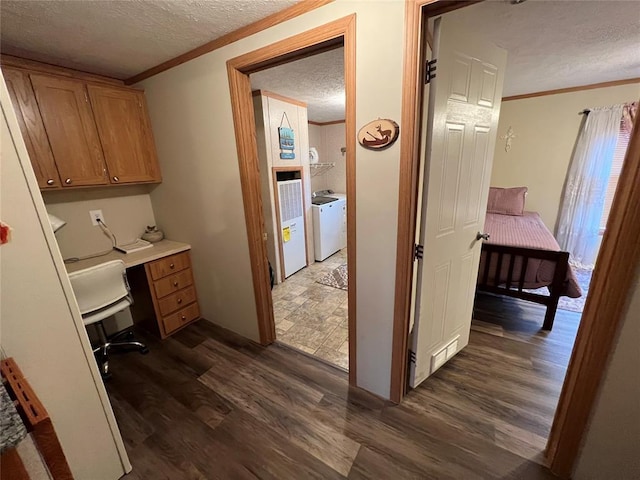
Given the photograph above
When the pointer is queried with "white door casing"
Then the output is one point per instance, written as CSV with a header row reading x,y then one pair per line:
x,y
464,106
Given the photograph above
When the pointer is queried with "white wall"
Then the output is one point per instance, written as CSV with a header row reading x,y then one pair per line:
x,y
200,200
127,211
612,441
546,128
330,139
40,325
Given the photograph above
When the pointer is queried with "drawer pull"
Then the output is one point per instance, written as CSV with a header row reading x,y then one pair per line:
x,y
183,317
172,266
179,301
175,284
50,181
68,181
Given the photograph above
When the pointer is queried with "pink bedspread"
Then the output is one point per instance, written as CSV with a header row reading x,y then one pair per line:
x,y
529,231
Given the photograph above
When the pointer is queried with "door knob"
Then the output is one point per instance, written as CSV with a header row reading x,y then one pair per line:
x,y
482,236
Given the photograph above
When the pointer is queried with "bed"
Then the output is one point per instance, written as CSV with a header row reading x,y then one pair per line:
x,y
521,256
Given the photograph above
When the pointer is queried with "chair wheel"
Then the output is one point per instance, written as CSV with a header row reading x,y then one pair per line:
x,y
144,351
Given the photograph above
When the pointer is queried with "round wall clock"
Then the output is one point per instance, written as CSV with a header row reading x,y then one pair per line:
x,y
378,134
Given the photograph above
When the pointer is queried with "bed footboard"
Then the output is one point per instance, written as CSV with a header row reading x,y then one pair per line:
x,y
503,271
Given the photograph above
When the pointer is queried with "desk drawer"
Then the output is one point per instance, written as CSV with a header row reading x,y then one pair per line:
x,y
180,318
177,300
172,284
169,265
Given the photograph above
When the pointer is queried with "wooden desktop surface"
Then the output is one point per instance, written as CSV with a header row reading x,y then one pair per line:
x,y
163,248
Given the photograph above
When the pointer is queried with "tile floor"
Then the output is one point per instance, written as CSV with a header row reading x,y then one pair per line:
x,y
312,317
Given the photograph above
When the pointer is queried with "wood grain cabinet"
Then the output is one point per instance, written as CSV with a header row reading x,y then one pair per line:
x,y
81,133
173,292
125,134
32,127
71,129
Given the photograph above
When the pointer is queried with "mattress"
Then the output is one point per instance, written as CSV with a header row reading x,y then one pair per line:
x,y
528,231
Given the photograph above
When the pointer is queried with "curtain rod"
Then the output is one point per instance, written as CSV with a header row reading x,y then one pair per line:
x,y
584,112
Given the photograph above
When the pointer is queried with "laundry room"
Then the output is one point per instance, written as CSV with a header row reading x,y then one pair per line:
x,y
299,112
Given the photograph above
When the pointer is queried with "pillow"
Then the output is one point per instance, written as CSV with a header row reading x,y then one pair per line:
x,y
506,201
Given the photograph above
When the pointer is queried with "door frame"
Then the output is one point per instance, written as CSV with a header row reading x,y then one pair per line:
x,y
619,254
341,32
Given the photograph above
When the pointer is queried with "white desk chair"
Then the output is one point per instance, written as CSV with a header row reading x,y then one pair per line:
x,y
102,291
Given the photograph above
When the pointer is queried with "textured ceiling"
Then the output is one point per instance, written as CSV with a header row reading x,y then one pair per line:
x,y
551,44
560,44
121,38
317,80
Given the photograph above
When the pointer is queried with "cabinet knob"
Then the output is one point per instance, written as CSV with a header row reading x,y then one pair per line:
x,y
50,181
183,318
175,284
116,179
68,181
179,301
172,266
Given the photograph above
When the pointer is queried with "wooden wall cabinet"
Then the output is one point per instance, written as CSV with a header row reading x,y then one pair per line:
x,y
79,133
125,133
71,129
33,132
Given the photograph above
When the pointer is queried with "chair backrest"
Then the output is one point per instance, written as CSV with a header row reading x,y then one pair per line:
x,y
99,286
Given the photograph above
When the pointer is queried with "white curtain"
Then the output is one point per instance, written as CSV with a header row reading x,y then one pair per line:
x,y
586,185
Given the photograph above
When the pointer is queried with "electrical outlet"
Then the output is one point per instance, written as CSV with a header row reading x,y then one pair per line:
x,y
95,215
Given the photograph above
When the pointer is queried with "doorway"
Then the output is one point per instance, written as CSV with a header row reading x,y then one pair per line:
x,y
584,372
340,33
300,110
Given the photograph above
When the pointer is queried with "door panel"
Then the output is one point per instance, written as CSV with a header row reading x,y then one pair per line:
x,y
125,134
68,120
32,128
464,105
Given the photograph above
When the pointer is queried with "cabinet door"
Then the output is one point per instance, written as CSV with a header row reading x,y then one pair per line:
x,y
32,128
68,120
125,134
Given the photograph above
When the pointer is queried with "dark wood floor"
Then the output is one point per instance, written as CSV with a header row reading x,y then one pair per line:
x,y
209,404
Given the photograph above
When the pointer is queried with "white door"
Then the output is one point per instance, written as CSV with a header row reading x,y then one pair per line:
x,y
464,106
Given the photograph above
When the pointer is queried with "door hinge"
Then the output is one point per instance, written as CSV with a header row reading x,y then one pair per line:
x,y
430,71
412,357
418,251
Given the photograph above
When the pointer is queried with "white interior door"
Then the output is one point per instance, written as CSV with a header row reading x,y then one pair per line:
x,y
464,106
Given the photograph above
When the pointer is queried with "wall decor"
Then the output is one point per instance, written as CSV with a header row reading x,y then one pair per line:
x,y
508,137
378,134
286,139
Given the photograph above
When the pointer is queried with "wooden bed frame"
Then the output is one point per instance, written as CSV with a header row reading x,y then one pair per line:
x,y
513,287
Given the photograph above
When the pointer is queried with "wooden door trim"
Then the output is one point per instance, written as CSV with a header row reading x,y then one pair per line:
x,y
618,260
342,31
611,285
300,169
293,11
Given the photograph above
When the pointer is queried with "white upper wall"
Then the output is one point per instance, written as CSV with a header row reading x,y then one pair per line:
x,y
200,200
127,211
547,128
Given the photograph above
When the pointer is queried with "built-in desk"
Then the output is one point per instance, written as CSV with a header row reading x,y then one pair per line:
x,y
161,281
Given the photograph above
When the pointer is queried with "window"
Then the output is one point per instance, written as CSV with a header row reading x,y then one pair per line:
x,y
616,167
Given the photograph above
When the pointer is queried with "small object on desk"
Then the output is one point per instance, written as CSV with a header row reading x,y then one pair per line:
x,y
134,246
152,234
